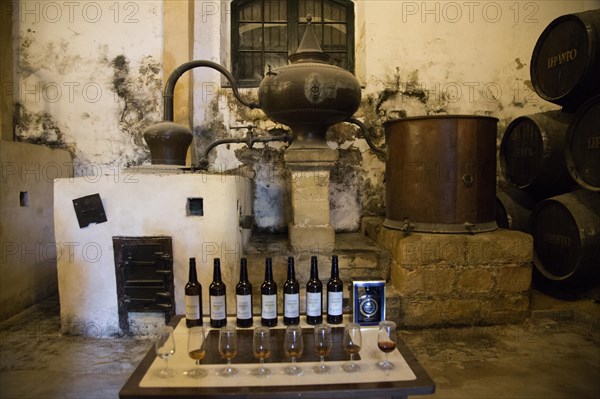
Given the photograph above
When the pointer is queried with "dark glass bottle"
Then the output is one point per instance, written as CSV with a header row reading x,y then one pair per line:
x,y
243,296
193,298
291,296
314,295
335,294
268,291
218,303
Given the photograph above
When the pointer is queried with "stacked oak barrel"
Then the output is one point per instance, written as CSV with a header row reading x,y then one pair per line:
x,y
552,159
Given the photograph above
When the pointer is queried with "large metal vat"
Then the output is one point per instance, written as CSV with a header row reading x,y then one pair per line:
x,y
441,174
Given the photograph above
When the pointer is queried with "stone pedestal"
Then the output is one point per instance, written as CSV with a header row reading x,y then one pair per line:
x,y
310,229
458,279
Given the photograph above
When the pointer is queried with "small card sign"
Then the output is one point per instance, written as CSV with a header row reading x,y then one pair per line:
x,y
89,209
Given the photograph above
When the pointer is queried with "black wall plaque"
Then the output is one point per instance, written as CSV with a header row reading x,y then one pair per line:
x,y
89,209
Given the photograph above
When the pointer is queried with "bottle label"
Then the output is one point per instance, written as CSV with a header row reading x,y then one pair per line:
x,y
313,304
244,306
192,307
291,307
217,307
335,303
269,307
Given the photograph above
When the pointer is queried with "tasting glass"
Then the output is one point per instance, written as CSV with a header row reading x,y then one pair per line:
x,y
196,350
228,349
165,348
261,348
322,347
352,344
386,341
293,346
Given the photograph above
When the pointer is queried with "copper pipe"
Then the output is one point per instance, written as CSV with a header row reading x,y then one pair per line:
x,y
180,70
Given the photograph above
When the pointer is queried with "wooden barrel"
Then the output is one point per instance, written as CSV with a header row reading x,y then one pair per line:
x,y
566,239
513,209
582,145
566,59
441,174
532,155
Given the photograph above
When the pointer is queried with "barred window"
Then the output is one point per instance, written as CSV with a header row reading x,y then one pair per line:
x,y
265,32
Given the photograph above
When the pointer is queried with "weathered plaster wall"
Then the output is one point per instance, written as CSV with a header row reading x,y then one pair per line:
x,y
413,58
6,72
89,78
28,249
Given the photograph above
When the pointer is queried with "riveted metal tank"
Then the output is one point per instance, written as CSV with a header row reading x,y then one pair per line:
x,y
441,174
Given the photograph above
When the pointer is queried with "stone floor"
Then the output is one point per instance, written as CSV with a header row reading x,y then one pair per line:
x,y
553,354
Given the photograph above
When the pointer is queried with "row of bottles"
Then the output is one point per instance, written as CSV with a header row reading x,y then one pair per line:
x,y
268,290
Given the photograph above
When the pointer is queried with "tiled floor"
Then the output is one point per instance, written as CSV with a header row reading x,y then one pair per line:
x,y
554,354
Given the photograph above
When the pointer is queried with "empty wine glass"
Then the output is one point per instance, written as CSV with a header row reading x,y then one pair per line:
x,y
293,346
261,348
322,347
165,348
197,350
386,341
352,344
228,349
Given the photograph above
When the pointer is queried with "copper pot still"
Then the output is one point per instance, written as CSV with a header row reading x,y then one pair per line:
x,y
309,94
441,174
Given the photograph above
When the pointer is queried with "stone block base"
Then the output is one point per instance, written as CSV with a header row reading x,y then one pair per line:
x,y
315,239
458,279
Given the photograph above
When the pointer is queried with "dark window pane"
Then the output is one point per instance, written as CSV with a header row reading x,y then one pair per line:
x,y
334,37
250,66
275,60
262,31
250,36
251,12
333,12
275,11
317,28
276,37
312,7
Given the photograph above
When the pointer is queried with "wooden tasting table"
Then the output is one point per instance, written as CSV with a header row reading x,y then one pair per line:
x,y
407,378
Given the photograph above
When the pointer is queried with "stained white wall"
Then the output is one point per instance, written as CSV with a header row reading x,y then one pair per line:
x,y
470,57
88,77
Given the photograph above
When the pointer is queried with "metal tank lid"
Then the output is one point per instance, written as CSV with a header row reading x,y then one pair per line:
x,y
426,117
309,50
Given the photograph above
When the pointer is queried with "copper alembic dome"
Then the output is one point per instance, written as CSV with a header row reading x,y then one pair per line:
x,y
309,94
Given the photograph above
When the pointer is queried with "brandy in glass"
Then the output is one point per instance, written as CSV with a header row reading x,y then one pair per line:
x,y
322,347
386,341
261,349
293,346
228,349
352,343
196,350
